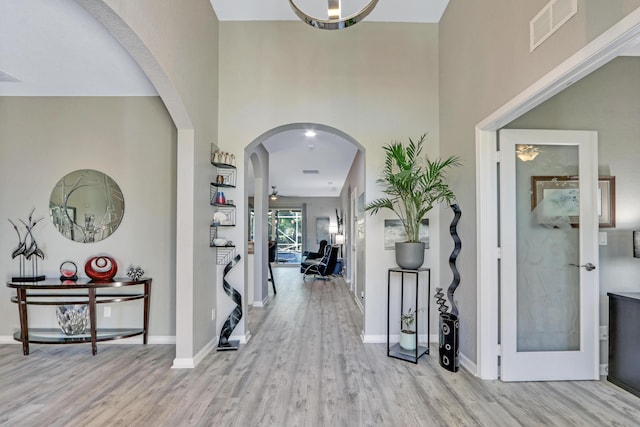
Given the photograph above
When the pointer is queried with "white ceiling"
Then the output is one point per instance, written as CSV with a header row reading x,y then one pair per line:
x,y
291,153
280,10
55,48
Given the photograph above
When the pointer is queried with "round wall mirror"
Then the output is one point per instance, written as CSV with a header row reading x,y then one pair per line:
x,y
86,206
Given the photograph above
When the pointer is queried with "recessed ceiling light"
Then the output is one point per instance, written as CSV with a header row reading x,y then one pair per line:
x,y
310,134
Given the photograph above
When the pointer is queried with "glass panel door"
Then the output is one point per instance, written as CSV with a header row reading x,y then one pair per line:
x,y
549,224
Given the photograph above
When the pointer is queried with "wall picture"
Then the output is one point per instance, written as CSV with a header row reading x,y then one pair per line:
x,y
322,229
556,198
394,232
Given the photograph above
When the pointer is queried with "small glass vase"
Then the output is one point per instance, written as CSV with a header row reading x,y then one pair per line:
x,y
73,319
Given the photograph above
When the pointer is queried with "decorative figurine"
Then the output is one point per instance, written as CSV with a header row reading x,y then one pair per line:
x,y
101,268
68,271
28,250
135,273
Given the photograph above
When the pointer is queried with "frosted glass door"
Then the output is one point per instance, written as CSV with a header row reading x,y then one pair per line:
x,y
549,229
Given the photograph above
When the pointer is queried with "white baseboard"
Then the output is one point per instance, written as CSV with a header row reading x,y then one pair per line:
x,y
183,363
373,339
192,362
8,339
467,364
359,303
262,303
604,369
243,339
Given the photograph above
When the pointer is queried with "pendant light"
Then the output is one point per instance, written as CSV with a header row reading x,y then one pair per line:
x,y
334,20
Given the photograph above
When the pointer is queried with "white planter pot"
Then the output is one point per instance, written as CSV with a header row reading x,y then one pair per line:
x,y
408,340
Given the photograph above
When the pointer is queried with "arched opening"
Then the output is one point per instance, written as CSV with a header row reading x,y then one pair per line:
x,y
296,165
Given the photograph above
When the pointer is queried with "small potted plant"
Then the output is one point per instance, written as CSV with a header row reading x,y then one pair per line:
x,y
413,185
407,333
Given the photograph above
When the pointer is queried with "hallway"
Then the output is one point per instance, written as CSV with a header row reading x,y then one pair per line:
x,y
304,366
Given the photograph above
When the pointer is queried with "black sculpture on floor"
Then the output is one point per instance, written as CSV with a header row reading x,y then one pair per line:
x,y
236,314
449,323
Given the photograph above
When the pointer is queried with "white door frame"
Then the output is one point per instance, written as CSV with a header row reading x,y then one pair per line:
x,y
591,57
352,271
580,363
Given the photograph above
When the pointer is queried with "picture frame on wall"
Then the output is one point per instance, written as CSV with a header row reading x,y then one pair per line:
x,y
322,229
394,232
554,197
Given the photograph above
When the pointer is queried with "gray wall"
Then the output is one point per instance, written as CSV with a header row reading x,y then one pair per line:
x,y
176,44
376,82
484,62
133,140
607,101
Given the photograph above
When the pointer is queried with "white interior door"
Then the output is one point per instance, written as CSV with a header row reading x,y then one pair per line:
x,y
353,243
549,250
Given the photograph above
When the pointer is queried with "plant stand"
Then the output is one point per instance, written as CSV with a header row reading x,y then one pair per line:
x,y
396,351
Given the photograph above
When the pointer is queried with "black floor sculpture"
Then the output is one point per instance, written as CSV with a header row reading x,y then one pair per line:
x,y
449,324
236,314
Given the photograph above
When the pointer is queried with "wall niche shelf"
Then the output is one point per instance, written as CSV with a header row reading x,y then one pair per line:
x,y
224,215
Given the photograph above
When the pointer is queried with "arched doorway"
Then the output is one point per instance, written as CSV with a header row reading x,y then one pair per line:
x,y
296,155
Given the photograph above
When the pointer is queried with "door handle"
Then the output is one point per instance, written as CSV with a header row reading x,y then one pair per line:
x,y
588,266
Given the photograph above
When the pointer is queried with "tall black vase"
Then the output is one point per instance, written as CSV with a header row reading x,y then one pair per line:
x,y
449,323
449,342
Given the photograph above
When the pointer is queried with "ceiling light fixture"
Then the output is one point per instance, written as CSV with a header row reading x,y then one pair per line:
x,y
334,21
310,134
526,152
274,193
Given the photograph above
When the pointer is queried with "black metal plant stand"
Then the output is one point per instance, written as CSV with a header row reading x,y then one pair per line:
x,y
236,314
396,350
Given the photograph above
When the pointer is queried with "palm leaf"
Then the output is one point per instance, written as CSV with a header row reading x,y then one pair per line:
x,y
413,184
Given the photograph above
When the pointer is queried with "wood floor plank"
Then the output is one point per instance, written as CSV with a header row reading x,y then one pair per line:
x,y
304,366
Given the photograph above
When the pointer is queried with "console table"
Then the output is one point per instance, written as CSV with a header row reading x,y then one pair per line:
x,y
624,340
83,291
396,350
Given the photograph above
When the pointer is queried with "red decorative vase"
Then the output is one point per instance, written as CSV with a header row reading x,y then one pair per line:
x,y
101,268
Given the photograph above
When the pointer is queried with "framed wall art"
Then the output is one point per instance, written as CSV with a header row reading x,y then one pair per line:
x,y
559,197
394,232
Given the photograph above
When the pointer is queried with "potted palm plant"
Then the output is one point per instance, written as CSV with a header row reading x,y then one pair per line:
x,y
413,185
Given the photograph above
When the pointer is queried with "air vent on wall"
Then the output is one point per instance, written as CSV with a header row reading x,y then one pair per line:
x,y
310,171
6,77
550,18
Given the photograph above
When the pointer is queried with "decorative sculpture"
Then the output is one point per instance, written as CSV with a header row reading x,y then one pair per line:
x,y
68,271
101,268
236,314
449,324
135,273
27,250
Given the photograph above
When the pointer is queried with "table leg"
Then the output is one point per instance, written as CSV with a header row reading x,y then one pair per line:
x,y
147,301
24,323
92,320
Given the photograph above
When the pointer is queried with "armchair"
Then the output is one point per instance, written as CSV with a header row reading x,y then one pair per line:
x,y
315,255
323,267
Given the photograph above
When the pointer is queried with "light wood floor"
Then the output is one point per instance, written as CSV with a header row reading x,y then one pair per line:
x,y
304,366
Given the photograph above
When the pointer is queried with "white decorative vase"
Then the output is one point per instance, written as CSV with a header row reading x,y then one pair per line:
x,y
408,340
410,255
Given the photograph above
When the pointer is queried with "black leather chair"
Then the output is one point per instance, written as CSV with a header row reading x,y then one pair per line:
x,y
322,268
315,255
